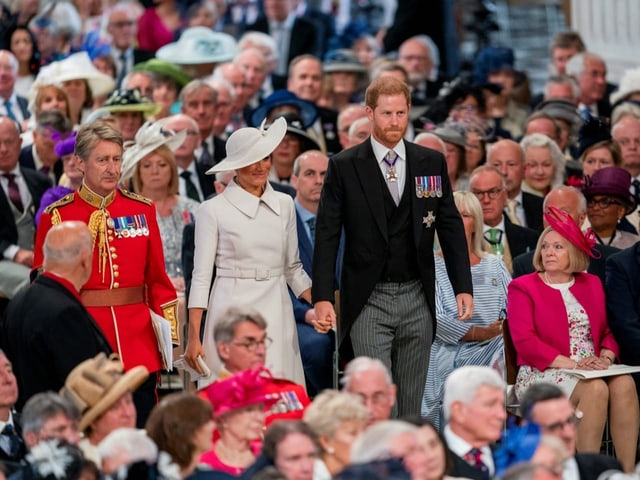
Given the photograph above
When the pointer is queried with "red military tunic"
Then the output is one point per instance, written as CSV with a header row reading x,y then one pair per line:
x,y
128,275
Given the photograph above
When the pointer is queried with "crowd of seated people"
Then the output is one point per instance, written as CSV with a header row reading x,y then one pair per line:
x,y
217,108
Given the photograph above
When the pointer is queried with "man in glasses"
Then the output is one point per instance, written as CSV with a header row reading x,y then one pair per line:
x,y
503,237
547,405
241,340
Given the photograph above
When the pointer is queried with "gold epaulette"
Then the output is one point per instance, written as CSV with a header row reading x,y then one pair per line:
x,y
135,196
66,200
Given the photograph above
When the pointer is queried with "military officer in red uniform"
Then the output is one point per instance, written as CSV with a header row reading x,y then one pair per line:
x,y
128,278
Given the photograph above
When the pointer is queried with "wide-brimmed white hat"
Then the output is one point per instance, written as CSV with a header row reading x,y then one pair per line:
x,y
250,145
629,83
75,67
199,45
150,136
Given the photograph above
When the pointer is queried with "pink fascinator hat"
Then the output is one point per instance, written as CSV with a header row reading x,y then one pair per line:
x,y
562,223
240,390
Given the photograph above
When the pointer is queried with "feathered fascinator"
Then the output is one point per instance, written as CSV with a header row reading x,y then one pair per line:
x,y
150,136
240,390
562,223
518,444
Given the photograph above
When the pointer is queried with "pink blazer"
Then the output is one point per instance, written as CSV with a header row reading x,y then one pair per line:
x,y
538,318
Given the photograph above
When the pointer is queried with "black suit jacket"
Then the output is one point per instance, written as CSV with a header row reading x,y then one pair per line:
x,y
462,469
623,301
46,333
206,181
23,103
521,239
304,37
37,184
329,121
325,25
26,160
591,465
523,264
353,198
10,464
533,206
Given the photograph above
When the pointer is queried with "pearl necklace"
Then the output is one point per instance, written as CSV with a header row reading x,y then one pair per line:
x,y
549,282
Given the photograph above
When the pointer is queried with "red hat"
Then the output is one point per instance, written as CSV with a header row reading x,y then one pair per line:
x,y
562,223
240,390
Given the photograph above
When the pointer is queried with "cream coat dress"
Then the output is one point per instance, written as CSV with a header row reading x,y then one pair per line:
x,y
253,243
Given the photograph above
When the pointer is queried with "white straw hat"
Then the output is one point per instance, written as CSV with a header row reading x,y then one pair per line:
x,y
150,136
199,45
250,145
75,67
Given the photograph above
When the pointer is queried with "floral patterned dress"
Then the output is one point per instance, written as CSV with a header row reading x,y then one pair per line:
x,y
581,346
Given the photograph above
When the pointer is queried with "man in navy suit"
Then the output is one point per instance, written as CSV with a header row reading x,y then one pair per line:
x,y
11,105
316,348
547,405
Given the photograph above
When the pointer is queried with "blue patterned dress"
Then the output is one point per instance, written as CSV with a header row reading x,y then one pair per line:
x,y
490,279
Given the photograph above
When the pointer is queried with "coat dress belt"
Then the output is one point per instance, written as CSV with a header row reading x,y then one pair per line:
x,y
258,274
112,297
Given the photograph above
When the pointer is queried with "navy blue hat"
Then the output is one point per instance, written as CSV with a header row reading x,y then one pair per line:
x,y
593,131
307,110
492,59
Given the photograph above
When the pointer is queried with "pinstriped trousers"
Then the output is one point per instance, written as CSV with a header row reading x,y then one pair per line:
x,y
396,327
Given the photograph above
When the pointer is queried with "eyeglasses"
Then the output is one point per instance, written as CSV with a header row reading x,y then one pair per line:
x,y
251,344
556,427
602,203
492,194
378,398
125,23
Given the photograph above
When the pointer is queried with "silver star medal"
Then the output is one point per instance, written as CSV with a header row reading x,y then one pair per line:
x,y
429,219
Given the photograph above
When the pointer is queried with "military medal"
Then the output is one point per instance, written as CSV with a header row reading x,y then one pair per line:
x,y
429,219
419,186
391,167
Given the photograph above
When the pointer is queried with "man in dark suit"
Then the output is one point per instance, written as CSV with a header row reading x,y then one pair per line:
x,y
415,56
51,126
11,105
389,196
47,330
325,23
193,182
122,26
502,237
199,101
20,196
570,200
474,411
623,302
12,446
293,35
522,208
316,348
546,404
590,71
305,80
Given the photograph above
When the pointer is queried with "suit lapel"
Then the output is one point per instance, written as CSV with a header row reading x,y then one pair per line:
x,y
369,173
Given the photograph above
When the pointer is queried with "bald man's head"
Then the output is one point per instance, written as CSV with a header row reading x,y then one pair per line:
x,y
68,251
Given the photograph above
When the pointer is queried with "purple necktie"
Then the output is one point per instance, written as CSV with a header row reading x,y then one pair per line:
x,y
14,191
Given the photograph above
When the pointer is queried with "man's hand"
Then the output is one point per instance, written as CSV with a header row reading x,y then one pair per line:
x,y
325,316
24,257
465,306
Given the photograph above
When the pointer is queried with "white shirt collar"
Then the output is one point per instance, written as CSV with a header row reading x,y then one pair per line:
x,y
380,150
461,447
499,226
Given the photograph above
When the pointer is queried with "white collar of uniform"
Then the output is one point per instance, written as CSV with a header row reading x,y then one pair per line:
x,y
248,203
380,151
8,422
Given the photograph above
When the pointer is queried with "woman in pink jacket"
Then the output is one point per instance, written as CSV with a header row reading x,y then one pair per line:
x,y
558,321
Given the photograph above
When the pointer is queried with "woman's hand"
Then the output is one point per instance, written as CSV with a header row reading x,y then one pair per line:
x,y
194,348
593,363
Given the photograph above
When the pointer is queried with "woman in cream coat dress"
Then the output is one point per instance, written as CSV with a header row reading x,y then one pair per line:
x,y
249,233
